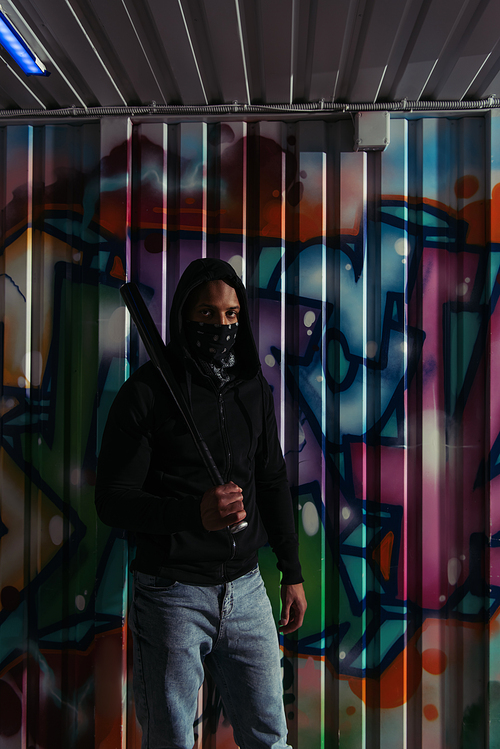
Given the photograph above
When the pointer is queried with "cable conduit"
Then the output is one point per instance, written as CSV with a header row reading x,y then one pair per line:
x,y
492,102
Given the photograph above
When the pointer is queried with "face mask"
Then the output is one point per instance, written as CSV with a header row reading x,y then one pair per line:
x,y
210,342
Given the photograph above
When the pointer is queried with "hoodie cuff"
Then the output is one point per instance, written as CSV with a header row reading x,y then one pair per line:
x,y
289,564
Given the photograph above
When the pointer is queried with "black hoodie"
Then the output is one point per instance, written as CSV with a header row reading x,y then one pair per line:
x,y
150,478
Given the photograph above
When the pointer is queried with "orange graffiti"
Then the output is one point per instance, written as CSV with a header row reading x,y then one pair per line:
x,y
117,269
383,553
466,186
397,684
431,712
434,661
473,215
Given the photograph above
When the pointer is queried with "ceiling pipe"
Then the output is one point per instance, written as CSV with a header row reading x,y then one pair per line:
x,y
315,108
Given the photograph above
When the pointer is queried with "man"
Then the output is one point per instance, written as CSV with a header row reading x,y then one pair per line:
x,y
199,599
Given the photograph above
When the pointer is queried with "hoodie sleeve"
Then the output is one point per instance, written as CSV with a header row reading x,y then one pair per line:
x,y
274,499
123,466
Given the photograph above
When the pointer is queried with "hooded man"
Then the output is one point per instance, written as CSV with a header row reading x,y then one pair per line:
x,y
199,600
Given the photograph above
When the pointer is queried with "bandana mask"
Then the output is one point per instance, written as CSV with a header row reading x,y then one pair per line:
x,y
211,342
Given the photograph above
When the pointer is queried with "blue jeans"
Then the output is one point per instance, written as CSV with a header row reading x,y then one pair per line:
x,y
229,628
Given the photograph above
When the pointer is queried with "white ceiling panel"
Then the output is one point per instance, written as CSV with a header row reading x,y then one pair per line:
x,y
277,47
178,45
129,48
116,53
80,59
224,31
379,30
329,32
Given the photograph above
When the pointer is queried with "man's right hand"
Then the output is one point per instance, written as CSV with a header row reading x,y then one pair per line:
x,y
222,506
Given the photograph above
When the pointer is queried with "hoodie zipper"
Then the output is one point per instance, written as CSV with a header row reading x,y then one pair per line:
x,y
225,476
225,439
227,447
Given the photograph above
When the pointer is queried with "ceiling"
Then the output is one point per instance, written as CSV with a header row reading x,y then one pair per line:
x,y
127,53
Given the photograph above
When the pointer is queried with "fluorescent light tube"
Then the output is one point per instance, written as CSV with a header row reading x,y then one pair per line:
x,y
11,39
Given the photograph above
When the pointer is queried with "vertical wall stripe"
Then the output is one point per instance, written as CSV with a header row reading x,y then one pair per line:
x,y
116,261
490,466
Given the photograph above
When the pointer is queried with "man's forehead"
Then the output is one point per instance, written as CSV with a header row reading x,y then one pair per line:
x,y
217,293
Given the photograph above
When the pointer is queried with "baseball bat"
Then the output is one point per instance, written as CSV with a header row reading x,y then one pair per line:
x,y
155,348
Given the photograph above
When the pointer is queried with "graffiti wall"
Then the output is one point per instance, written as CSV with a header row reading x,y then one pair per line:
x,y
373,283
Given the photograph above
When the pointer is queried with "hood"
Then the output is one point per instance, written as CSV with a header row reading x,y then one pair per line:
x,y
210,269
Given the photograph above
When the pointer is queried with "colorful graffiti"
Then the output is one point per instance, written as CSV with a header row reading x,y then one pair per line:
x,y
373,289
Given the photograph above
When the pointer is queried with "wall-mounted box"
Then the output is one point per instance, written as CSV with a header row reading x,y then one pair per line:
x,y
372,131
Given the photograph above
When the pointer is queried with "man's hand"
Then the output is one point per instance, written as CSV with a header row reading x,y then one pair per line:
x,y
222,506
293,608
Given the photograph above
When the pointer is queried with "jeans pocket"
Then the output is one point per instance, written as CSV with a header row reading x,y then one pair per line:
x,y
153,582
164,583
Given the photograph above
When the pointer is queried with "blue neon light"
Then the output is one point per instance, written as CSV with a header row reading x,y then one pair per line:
x,y
15,45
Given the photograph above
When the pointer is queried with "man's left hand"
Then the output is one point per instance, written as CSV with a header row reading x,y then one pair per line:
x,y
293,608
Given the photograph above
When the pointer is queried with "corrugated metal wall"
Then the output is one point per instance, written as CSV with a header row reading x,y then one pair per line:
x,y
373,287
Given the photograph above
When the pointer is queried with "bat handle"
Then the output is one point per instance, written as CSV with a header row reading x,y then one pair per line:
x,y
237,527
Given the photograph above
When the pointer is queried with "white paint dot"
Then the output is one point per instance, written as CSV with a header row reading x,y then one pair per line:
x,y
442,599
348,266
403,260
10,403
309,319
21,382
462,289
402,247
310,519
56,530
80,603
462,557
371,349
237,262
467,280
342,655
454,570
270,360
319,378
346,513
77,257
309,332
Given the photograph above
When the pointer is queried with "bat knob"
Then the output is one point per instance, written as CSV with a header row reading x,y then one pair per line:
x,y
238,527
